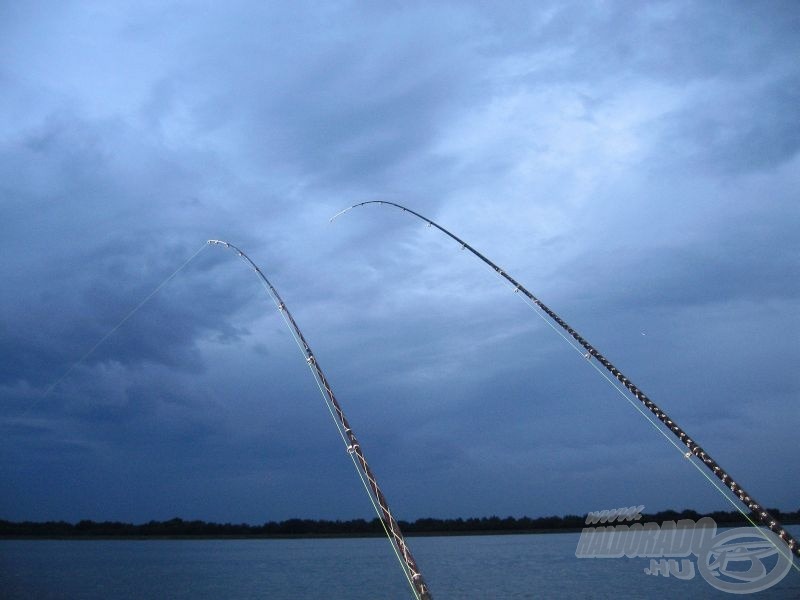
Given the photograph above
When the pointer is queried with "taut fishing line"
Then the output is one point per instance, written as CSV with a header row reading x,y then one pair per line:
x,y
593,356
111,331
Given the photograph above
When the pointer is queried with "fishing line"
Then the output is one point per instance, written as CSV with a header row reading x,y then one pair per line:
x,y
100,342
338,426
593,356
724,492
390,526
629,400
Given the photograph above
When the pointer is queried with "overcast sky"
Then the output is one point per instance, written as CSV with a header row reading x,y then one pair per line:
x,y
635,165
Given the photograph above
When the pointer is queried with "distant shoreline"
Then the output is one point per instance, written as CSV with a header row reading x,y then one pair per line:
x,y
308,528
295,536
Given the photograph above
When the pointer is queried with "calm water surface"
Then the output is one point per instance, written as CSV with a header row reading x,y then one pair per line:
x,y
510,566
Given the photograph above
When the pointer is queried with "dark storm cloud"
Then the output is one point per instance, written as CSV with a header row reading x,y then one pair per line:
x,y
634,165
85,253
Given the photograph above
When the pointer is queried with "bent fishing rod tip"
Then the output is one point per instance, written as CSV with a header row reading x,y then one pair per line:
x,y
341,212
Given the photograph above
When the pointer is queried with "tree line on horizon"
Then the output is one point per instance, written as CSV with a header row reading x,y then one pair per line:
x,y
177,527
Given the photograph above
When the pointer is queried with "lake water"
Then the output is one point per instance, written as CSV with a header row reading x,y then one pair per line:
x,y
509,566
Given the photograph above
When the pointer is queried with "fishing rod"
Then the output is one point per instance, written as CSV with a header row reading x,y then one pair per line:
x,y
693,448
378,500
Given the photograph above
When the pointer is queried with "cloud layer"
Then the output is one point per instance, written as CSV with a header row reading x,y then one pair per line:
x,y
635,166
